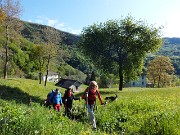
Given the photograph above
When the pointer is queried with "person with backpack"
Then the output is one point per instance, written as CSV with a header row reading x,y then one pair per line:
x,y
56,99
47,102
90,97
68,101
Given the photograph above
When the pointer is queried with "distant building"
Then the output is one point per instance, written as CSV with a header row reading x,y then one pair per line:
x,y
52,77
150,85
67,83
141,82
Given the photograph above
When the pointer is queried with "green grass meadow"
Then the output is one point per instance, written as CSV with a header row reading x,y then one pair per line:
x,y
137,111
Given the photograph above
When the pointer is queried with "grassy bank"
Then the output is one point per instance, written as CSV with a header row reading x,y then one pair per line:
x,y
136,111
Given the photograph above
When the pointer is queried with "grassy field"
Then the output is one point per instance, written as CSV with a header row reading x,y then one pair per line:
x,y
146,111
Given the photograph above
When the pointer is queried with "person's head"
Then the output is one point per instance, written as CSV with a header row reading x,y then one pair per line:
x,y
93,85
57,90
69,89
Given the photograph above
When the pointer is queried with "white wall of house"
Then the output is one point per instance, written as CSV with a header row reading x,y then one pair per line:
x,y
141,82
52,78
76,89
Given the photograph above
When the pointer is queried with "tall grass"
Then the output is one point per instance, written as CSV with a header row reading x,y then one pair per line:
x,y
136,111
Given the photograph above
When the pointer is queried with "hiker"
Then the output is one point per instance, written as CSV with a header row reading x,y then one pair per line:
x,y
56,99
47,102
68,101
90,96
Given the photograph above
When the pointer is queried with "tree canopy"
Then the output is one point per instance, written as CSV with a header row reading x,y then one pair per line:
x,y
160,71
120,45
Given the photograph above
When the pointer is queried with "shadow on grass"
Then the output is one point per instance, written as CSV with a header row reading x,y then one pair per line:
x,y
9,94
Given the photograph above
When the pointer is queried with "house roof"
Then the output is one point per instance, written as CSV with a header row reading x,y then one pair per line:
x,y
67,83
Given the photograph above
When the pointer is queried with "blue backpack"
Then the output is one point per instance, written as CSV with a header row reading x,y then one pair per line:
x,y
48,97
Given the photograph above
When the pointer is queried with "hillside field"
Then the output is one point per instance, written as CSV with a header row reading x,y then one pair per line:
x,y
137,111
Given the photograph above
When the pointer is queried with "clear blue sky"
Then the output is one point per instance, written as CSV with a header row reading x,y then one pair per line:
x,y
73,15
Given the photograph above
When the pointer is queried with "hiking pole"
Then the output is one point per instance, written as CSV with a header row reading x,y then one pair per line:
x,y
65,106
105,104
87,103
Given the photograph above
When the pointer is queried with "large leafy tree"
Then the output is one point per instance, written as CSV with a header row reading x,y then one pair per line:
x,y
120,43
160,71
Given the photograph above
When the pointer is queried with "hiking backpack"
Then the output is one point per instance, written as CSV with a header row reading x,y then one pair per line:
x,y
48,97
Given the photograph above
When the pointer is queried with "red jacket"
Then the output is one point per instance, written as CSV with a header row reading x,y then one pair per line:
x,y
91,96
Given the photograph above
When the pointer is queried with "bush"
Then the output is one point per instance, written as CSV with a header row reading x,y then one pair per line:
x,y
33,76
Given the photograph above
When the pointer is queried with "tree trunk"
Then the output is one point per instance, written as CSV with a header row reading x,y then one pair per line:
x,y
159,78
120,77
40,76
6,55
47,70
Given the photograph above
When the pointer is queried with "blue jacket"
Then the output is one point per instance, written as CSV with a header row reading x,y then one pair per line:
x,y
56,99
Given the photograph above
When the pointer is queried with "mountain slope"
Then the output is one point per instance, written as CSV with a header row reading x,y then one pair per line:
x,y
171,47
31,29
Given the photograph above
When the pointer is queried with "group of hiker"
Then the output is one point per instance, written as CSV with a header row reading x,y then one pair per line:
x,y
55,98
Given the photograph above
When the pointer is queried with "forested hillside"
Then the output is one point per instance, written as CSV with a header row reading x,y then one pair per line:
x,y
30,31
28,55
69,61
172,40
171,47
67,41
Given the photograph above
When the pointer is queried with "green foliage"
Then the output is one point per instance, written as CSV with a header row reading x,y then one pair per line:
x,y
68,72
36,120
79,61
30,30
149,111
107,81
23,56
123,43
23,63
170,49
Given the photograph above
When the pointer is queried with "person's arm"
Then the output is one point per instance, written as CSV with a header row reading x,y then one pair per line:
x,y
75,98
84,95
99,96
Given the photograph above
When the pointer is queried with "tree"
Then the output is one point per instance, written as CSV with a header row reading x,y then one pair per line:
x,y
122,44
11,24
160,71
40,55
52,39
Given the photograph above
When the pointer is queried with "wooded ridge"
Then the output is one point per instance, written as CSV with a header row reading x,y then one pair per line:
x,y
171,47
22,60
